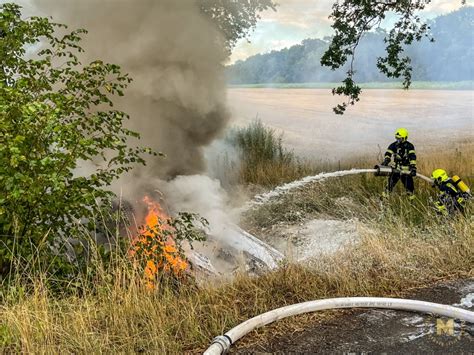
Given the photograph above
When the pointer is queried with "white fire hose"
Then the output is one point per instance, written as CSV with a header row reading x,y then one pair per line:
x,y
222,343
426,178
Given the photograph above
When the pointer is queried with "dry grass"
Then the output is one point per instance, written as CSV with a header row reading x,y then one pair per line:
x,y
121,316
266,162
402,247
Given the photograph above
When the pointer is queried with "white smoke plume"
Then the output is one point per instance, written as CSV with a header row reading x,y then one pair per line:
x,y
205,196
174,54
199,194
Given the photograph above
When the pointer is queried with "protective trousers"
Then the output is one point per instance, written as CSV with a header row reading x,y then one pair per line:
x,y
407,181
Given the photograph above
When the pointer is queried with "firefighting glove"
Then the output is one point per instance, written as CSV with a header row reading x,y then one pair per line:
x,y
385,162
413,170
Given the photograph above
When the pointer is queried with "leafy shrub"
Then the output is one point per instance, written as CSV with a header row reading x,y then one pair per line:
x,y
55,112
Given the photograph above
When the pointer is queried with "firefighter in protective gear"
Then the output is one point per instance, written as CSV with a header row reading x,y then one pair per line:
x,y
453,192
403,155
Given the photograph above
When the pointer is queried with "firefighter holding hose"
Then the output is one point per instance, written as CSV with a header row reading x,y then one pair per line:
x,y
453,192
403,155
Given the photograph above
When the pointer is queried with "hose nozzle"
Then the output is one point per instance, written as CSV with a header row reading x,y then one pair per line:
x,y
383,170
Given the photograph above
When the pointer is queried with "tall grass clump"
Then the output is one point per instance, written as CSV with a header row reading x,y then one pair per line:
x,y
264,160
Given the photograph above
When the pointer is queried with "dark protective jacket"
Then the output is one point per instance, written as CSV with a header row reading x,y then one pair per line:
x,y
403,155
450,198
448,187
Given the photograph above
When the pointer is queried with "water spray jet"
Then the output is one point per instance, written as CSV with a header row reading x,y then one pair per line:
x,y
280,190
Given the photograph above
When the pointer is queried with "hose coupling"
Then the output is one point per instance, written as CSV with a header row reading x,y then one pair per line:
x,y
224,341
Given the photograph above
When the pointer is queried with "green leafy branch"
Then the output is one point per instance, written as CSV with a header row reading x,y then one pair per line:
x,y
352,19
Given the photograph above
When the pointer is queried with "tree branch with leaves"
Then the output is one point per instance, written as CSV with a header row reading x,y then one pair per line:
x,y
352,19
235,18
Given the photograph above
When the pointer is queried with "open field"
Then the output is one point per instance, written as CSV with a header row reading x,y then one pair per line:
x,y
434,119
416,85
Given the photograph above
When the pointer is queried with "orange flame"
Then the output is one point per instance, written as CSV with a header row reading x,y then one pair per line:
x,y
155,217
155,242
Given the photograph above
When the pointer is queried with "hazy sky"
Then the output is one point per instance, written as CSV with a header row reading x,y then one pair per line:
x,y
296,20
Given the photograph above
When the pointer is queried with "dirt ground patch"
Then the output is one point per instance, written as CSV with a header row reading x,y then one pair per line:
x,y
381,331
311,238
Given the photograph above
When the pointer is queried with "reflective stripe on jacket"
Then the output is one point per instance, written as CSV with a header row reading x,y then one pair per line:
x,y
448,187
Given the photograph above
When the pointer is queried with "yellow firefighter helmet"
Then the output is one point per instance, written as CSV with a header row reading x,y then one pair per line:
x,y
439,175
402,134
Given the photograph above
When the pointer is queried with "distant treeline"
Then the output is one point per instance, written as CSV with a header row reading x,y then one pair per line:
x,y
448,58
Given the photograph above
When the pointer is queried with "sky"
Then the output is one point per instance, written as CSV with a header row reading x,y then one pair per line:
x,y
296,20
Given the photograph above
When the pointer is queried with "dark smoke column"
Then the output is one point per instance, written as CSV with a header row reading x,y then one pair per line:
x,y
174,53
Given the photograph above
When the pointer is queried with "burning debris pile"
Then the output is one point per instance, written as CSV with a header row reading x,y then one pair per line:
x,y
227,247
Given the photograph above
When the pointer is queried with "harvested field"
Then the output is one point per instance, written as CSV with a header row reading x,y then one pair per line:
x,y
313,130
